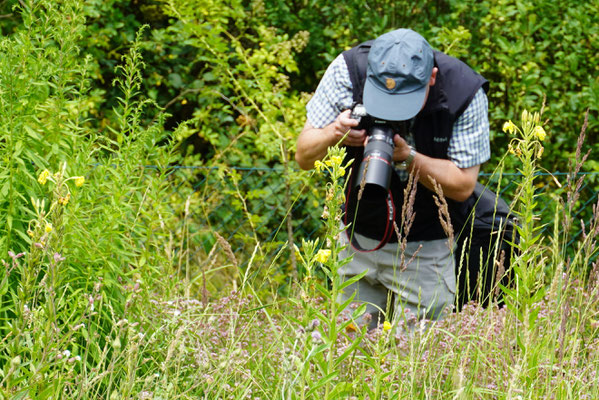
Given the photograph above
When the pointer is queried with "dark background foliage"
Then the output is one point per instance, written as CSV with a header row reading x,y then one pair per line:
x,y
529,50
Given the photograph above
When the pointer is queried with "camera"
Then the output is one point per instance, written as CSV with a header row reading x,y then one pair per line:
x,y
376,167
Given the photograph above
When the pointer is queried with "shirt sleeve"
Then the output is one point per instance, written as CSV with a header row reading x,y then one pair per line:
x,y
332,96
470,143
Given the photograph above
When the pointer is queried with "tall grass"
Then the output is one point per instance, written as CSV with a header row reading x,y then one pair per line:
x,y
82,217
101,298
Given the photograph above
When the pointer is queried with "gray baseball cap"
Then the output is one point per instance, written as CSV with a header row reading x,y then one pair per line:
x,y
400,64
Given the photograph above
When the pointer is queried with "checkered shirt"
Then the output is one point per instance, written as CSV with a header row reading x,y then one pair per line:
x,y
469,144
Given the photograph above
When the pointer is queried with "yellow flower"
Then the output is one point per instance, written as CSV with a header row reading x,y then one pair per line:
x,y
297,251
509,127
341,171
386,326
318,165
64,200
334,161
184,101
48,228
43,178
79,181
540,133
323,255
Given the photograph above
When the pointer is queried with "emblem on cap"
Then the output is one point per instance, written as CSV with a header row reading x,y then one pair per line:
x,y
390,83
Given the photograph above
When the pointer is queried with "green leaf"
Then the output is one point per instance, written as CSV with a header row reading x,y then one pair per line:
x,y
353,279
340,390
4,189
355,344
343,306
323,290
358,312
321,382
175,80
3,286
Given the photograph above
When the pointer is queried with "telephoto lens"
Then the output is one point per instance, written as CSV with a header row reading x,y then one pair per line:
x,y
377,165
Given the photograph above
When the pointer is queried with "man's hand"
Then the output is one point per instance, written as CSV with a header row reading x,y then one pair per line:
x,y
401,150
313,143
344,125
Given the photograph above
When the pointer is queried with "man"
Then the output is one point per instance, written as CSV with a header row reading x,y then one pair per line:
x,y
444,106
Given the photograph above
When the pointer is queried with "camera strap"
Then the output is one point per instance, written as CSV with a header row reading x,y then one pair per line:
x,y
388,224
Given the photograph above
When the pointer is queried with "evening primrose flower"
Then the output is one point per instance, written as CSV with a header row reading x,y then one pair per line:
x,y
334,161
79,181
509,127
387,326
540,133
297,251
64,200
43,178
318,165
323,255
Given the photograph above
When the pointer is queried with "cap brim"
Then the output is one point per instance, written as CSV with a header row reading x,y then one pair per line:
x,y
392,107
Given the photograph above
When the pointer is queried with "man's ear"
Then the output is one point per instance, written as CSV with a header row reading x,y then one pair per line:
x,y
433,76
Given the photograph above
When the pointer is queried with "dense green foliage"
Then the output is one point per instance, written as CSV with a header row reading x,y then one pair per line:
x,y
216,63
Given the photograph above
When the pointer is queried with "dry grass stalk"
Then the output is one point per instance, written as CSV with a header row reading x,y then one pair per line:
x,y
407,210
562,329
443,210
224,244
593,282
363,181
573,189
500,268
407,219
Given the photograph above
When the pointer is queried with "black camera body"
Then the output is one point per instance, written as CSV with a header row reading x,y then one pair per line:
x,y
376,167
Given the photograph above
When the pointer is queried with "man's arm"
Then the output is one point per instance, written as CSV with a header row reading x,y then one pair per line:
x,y
313,143
457,183
469,147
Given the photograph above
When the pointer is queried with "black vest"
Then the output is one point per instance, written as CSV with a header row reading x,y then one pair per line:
x,y
455,86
